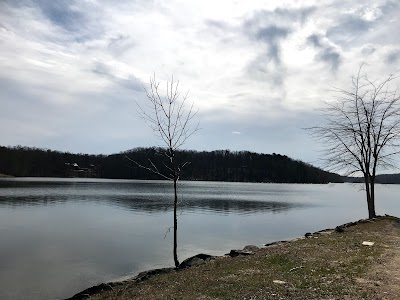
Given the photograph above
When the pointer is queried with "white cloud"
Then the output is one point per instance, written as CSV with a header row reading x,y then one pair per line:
x,y
71,70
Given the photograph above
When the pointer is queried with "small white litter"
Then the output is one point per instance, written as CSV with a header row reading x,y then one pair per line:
x,y
279,282
365,243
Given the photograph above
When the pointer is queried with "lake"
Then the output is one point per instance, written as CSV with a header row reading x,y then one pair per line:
x,y
60,236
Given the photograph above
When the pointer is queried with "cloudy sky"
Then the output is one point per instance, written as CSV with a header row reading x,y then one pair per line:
x,y
71,71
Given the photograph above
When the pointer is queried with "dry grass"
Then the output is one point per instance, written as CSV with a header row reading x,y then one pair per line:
x,y
325,266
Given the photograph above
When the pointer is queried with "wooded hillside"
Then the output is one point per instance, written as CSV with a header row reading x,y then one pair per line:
x,y
219,165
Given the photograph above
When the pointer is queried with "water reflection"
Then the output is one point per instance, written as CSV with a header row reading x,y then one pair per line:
x,y
224,206
142,197
29,201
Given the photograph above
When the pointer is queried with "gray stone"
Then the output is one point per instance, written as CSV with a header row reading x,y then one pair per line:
x,y
251,248
196,260
275,243
235,253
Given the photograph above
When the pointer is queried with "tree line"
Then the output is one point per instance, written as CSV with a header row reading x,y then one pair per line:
x,y
219,165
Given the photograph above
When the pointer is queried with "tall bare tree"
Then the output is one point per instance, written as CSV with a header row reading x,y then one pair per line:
x,y
362,130
170,117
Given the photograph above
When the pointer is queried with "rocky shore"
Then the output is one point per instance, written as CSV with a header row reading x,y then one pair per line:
x,y
298,259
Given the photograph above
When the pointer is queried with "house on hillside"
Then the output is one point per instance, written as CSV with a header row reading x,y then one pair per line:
x,y
73,170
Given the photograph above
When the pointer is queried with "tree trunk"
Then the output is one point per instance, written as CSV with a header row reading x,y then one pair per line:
x,y
370,190
371,202
175,224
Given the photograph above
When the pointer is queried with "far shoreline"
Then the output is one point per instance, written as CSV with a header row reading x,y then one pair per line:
x,y
6,176
88,179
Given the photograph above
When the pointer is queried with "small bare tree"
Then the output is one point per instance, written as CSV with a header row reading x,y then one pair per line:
x,y
170,119
361,130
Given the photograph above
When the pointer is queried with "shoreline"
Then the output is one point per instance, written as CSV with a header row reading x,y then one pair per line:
x,y
5,176
201,259
38,178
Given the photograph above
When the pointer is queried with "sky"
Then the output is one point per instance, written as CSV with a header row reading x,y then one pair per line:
x,y
71,72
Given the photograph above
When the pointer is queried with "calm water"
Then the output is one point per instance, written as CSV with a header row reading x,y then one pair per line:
x,y
59,236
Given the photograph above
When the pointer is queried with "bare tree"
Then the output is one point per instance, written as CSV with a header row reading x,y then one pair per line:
x,y
170,118
362,130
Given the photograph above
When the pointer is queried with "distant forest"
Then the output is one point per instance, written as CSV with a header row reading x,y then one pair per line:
x,y
382,178
220,165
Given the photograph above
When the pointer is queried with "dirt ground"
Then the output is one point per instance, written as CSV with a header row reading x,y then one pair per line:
x,y
384,275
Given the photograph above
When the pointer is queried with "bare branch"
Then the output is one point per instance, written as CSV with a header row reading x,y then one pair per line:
x,y
361,132
151,169
361,124
170,119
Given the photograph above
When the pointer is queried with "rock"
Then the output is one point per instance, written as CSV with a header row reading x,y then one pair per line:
x,y
86,294
235,253
366,221
308,234
339,229
324,231
196,260
150,273
251,248
275,243
279,281
365,243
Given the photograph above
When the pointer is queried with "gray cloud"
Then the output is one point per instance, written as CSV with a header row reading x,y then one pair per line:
x,y
119,44
356,26
102,69
276,24
280,17
271,28
327,53
390,7
332,57
265,68
393,57
218,25
349,24
315,40
299,14
76,19
268,28
272,35
62,13
368,49
131,82
268,65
